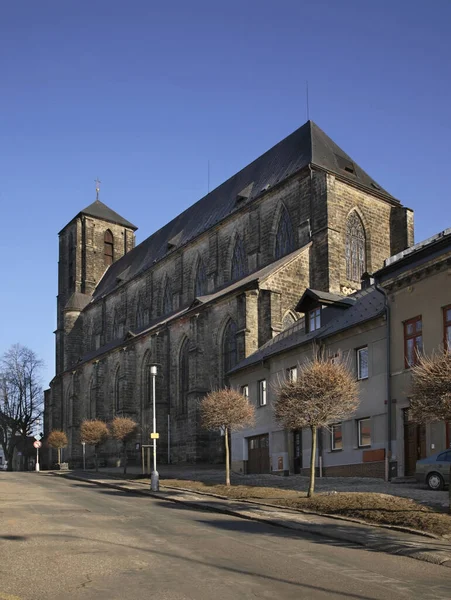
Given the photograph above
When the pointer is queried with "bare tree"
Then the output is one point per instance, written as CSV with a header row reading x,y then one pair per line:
x,y
57,439
21,397
227,410
324,393
123,429
94,433
431,390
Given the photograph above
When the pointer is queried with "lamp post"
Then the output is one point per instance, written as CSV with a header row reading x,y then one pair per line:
x,y
154,478
84,455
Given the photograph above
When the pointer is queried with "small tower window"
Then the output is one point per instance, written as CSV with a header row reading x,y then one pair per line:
x,y
355,248
108,248
70,266
285,235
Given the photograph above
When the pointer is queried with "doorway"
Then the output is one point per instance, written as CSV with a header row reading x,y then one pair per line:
x,y
258,454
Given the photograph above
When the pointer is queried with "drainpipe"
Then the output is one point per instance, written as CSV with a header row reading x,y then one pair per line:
x,y
389,400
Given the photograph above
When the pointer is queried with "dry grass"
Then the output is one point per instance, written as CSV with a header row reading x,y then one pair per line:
x,y
373,508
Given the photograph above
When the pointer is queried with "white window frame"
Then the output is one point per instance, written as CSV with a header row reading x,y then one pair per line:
x,y
359,432
314,319
332,443
292,373
359,375
245,390
262,392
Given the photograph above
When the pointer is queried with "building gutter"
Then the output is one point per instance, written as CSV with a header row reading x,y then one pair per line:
x,y
388,388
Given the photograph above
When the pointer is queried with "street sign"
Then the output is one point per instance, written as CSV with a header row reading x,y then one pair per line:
x,y
37,437
37,444
154,436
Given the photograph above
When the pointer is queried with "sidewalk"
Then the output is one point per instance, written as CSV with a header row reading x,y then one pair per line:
x,y
377,538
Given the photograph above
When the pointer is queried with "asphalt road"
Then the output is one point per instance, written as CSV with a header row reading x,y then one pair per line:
x,y
62,539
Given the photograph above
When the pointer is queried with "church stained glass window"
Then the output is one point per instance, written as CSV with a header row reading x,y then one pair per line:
x,y
355,248
184,376
201,280
167,299
230,350
285,242
238,260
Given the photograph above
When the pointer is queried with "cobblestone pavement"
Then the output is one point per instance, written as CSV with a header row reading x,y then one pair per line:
x,y
412,490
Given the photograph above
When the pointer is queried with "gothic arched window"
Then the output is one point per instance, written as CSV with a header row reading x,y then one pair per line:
x,y
285,235
201,280
117,326
108,248
229,347
140,314
118,400
167,299
238,260
355,248
184,376
92,407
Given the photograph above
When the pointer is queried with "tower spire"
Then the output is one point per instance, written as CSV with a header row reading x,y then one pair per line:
x,y
97,182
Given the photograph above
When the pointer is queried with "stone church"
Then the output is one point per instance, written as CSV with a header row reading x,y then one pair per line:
x,y
208,288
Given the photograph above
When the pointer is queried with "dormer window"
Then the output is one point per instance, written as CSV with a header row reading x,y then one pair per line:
x,y
314,319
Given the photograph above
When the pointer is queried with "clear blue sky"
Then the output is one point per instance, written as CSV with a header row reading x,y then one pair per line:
x,y
142,94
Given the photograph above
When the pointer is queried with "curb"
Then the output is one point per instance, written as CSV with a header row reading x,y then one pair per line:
x,y
436,557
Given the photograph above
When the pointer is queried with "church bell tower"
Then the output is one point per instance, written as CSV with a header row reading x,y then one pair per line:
x,y
95,238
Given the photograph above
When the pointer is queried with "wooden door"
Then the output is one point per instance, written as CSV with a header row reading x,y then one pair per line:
x,y
414,444
258,454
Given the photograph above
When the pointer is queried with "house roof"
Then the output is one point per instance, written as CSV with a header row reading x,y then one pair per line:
x,y
99,210
369,304
308,145
320,297
251,281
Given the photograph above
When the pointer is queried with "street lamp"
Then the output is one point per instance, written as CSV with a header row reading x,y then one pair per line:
x,y
154,478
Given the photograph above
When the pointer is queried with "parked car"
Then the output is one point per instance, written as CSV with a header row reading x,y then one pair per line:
x,y
4,466
434,470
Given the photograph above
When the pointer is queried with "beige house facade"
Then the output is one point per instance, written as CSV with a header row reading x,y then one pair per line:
x,y
404,310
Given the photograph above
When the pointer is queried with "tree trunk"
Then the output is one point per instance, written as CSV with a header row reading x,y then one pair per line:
x,y
226,440
449,489
95,459
311,488
125,458
59,456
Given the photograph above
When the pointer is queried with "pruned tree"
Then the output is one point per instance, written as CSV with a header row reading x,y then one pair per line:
x,y
94,433
123,429
324,393
21,397
57,439
430,398
227,410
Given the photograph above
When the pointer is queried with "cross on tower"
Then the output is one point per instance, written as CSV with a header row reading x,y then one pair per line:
x,y
97,182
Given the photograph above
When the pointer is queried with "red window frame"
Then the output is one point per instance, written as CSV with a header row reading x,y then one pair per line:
x,y
446,327
414,335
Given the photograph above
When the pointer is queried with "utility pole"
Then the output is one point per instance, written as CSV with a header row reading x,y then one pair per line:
x,y
154,478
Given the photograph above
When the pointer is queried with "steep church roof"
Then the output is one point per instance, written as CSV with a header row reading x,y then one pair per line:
x,y
308,145
99,210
